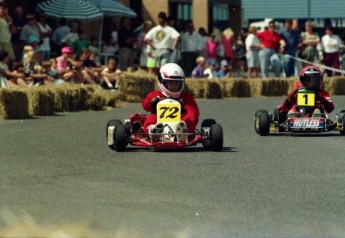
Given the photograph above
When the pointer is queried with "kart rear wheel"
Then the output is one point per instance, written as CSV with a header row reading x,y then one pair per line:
x,y
120,138
216,137
207,123
342,131
262,122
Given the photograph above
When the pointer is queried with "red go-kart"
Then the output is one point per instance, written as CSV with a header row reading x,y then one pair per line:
x,y
120,134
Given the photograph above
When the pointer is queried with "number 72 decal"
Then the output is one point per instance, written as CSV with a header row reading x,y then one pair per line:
x,y
169,113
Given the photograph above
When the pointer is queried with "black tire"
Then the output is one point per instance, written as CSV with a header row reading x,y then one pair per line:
x,y
216,137
112,123
262,123
207,123
120,138
342,131
256,119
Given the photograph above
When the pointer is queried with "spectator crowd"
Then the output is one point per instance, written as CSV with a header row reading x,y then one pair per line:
x,y
32,53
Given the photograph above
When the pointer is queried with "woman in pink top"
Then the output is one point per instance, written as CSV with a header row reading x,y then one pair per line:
x,y
211,47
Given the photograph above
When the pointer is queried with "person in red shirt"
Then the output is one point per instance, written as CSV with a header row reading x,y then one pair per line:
x,y
311,80
171,85
271,43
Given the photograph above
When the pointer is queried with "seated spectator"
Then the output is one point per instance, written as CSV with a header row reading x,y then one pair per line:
x,y
8,78
34,71
211,71
109,47
66,64
110,75
26,51
198,71
90,75
51,72
224,71
94,48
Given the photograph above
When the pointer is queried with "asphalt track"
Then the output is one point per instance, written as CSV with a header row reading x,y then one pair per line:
x,y
60,169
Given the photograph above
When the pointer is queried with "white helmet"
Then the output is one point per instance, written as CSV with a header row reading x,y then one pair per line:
x,y
170,73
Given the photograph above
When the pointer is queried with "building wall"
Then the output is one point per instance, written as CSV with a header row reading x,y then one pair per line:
x,y
151,8
200,14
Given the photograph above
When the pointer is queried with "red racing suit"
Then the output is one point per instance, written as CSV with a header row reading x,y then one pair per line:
x,y
190,110
323,102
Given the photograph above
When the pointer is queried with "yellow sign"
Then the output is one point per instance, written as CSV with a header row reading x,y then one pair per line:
x,y
170,112
306,99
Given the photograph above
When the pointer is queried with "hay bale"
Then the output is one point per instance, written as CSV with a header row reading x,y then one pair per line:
x,y
214,88
41,101
237,88
197,87
255,85
135,86
274,87
13,104
98,101
338,86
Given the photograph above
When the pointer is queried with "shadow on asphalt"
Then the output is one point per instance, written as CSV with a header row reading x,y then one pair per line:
x,y
325,134
179,150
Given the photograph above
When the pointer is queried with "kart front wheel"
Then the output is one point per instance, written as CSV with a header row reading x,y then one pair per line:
x,y
216,137
120,138
262,123
112,123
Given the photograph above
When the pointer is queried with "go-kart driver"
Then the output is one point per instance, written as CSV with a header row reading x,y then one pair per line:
x,y
311,79
171,85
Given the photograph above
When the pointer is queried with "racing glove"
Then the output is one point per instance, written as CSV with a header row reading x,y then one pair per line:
x,y
153,104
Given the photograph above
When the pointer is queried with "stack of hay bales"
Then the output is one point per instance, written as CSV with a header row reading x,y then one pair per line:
x,y
135,86
41,101
13,104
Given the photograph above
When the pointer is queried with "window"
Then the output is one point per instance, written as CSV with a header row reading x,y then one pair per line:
x,y
184,12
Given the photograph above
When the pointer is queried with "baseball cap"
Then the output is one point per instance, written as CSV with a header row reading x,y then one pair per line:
x,y
211,62
162,15
224,63
67,50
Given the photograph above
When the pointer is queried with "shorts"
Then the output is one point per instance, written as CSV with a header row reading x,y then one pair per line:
x,y
253,59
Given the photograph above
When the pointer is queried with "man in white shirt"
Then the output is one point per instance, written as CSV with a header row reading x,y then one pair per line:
x,y
190,46
331,44
160,38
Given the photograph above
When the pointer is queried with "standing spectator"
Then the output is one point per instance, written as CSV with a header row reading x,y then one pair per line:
x,y
175,56
45,32
224,71
331,44
5,34
60,33
72,35
240,49
292,40
198,71
81,43
30,29
211,48
253,46
270,41
228,45
126,42
190,46
114,36
142,44
203,42
298,64
160,39
310,40
211,71
19,22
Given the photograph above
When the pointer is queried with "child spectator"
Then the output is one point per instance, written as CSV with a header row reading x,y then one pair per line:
x,y
110,75
211,47
51,72
8,78
198,71
211,71
224,71
94,48
81,43
109,47
65,64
